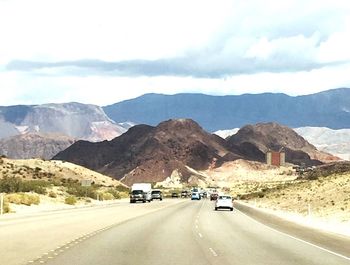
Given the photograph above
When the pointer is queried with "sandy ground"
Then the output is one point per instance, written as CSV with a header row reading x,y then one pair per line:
x,y
333,225
327,198
322,203
242,171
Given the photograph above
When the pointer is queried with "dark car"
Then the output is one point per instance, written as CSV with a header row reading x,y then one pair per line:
x,y
213,196
175,195
157,195
184,194
137,195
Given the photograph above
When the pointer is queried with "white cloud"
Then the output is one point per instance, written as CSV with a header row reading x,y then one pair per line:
x,y
21,88
107,29
336,47
291,46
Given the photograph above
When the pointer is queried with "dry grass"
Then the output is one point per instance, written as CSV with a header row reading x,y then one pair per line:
x,y
327,197
22,198
54,181
37,169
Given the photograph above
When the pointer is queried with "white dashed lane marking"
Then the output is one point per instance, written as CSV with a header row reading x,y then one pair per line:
x,y
213,252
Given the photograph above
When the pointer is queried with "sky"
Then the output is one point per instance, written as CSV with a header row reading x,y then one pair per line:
x,y
105,51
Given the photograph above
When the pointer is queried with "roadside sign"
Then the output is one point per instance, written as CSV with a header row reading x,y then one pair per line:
x,y
86,182
1,203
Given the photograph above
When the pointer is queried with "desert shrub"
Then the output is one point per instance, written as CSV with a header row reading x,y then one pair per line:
x,y
122,188
105,196
261,194
37,186
79,191
15,184
10,184
124,194
23,198
13,198
52,194
29,199
71,200
115,193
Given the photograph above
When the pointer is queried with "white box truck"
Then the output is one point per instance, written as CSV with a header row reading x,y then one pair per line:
x,y
141,192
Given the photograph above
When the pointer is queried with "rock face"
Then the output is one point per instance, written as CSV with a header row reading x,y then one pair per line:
x,y
152,154
326,109
78,121
34,145
180,147
336,142
253,141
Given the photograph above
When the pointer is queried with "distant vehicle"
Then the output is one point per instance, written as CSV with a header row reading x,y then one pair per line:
x,y
195,189
137,195
175,195
157,195
224,202
195,196
184,194
141,192
213,196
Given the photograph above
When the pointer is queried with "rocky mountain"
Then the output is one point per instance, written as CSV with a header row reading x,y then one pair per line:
x,y
336,142
326,109
253,141
182,147
75,120
34,145
151,154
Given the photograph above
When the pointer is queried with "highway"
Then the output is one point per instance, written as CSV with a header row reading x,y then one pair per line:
x,y
176,232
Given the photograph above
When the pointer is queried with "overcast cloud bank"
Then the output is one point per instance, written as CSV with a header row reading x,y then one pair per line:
x,y
125,49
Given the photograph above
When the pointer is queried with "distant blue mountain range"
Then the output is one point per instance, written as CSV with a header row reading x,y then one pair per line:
x,y
325,109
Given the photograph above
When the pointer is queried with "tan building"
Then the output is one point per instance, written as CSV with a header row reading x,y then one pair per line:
x,y
276,158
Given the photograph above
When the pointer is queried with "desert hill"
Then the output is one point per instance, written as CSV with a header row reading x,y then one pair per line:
x,y
182,147
34,145
253,141
37,169
75,120
336,142
147,153
322,193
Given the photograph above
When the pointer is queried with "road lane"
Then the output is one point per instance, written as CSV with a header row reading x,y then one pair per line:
x,y
245,241
163,237
191,233
339,243
25,238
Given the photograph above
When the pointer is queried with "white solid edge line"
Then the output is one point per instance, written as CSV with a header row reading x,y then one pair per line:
x,y
295,238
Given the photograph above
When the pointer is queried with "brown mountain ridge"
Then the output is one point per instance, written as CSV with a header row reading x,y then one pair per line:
x,y
253,141
151,154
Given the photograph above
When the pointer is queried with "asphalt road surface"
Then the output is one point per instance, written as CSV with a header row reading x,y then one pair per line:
x,y
191,232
